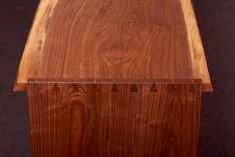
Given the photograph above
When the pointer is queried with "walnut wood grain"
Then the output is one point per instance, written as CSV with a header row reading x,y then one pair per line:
x,y
96,40
199,64
114,120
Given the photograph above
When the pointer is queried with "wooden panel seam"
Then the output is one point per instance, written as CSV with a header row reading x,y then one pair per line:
x,y
86,120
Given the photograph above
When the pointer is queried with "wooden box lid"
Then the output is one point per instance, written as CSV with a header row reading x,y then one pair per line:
x,y
96,41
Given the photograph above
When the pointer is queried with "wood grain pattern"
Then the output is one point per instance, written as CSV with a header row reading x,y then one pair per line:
x,y
97,40
31,57
114,120
199,64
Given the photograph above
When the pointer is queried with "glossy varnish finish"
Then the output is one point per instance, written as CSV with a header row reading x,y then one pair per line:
x,y
126,40
114,120
114,78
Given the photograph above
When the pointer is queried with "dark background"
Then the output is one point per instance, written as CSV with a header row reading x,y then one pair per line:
x,y
216,20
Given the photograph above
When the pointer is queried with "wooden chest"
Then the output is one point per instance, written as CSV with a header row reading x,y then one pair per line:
x,y
114,78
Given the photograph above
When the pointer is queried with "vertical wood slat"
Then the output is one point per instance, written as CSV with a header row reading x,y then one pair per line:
x,y
97,121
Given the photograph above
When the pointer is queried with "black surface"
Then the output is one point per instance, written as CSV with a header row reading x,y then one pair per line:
x,y
217,25
216,20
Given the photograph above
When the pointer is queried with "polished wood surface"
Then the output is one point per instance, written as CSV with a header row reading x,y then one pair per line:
x,y
113,41
114,120
199,64
114,78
